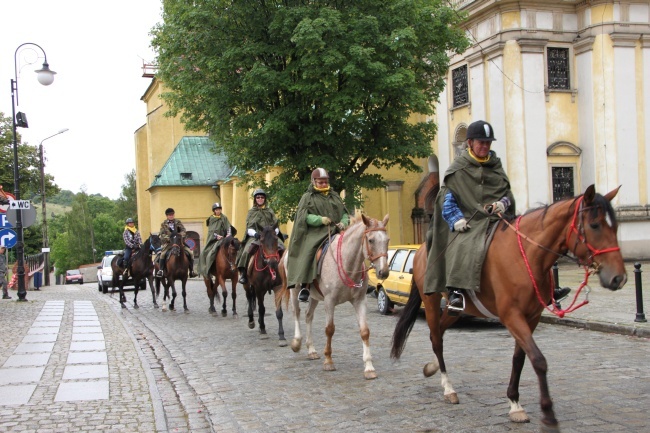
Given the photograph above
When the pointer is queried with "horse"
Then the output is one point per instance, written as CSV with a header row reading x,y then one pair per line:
x,y
224,268
343,278
517,283
263,277
141,271
176,268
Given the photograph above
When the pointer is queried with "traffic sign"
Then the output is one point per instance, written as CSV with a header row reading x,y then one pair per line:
x,y
19,204
4,207
28,216
8,238
4,222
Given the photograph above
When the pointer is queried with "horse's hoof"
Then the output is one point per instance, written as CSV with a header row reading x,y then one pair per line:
x,y
369,375
212,310
521,417
187,310
164,309
313,356
155,305
329,367
224,314
549,428
235,316
136,306
451,398
430,369
251,325
296,344
283,343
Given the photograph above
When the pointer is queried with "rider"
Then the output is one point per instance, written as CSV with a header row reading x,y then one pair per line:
x,y
258,217
321,212
218,228
169,226
132,241
474,179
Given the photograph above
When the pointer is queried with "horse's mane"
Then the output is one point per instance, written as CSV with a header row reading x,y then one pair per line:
x,y
600,202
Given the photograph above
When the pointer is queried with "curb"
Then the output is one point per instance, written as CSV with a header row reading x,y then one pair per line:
x,y
612,328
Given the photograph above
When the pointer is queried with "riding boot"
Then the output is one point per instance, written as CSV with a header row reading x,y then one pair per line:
x,y
455,302
192,273
303,296
242,278
162,264
5,294
559,294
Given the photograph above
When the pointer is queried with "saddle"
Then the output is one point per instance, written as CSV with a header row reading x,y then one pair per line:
x,y
320,254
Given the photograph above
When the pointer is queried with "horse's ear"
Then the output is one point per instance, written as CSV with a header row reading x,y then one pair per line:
x,y
610,195
385,221
365,219
590,193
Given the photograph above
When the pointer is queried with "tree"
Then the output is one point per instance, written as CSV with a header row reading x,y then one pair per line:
x,y
28,165
127,204
298,85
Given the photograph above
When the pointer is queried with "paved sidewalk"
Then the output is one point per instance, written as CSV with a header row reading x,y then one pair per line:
x,y
606,311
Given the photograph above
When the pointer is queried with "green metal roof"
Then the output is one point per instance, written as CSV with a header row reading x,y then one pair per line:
x,y
193,163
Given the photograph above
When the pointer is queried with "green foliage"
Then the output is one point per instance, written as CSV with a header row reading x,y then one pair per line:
x,y
64,197
29,164
300,85
127,204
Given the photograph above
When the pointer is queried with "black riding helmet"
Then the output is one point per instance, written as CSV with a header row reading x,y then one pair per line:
x,y
480,130
169,211
216,206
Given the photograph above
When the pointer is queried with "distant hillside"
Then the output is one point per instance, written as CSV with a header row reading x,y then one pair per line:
x,y
50,208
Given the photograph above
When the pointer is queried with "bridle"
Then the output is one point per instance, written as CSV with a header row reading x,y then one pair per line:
x,y
591,266
266,259
231,254
343,275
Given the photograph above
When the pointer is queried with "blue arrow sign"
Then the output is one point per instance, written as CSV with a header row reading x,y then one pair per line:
x,y
4,222
7,238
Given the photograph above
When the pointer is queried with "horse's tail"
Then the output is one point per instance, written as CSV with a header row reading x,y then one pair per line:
x,y
406,321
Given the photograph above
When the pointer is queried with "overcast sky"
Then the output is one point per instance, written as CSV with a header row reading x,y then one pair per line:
x,y
97,49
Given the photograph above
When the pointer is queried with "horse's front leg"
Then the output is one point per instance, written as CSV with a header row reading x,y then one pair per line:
x,y
309,341
250,297
296,343
172,284
184,293
210,290
328,364
282,342
120,284
234,296
261,311
153,290
361,309
224,293
522,331
136,287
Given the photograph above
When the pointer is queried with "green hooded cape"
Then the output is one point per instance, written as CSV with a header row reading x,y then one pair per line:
x,y
219,226
257,219
474,185
309,232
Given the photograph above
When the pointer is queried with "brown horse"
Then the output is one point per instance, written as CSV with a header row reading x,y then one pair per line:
x,y
263,278
224,268
141,268
516,285
176,268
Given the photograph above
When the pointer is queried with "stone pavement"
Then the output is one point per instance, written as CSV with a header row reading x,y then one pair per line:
x,y
72,360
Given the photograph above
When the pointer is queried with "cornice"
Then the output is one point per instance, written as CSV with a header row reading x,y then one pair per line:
x,y
583,45
528,45
624,39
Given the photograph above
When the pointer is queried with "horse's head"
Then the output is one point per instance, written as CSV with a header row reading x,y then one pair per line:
x,y
377,245
231,247
269,247
592,237
177,243
154,243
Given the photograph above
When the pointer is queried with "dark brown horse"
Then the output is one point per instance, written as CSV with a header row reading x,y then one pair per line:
x,y
141,271
516,285
263,278
176,269
224,268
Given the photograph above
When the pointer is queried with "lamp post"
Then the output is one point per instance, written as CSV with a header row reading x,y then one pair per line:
x,y
45,77
46,253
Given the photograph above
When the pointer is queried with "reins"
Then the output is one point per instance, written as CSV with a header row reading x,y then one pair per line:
x,y
266,258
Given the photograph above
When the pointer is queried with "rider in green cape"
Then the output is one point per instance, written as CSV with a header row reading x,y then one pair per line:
x,y
218,228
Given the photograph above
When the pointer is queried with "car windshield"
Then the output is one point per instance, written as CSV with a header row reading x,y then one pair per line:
x,y
74,272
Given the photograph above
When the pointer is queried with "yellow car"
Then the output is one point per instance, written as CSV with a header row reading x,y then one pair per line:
x,y
395,289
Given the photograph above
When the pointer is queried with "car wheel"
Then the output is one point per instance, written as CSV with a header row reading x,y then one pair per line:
x,y
104,288
384,305
99,286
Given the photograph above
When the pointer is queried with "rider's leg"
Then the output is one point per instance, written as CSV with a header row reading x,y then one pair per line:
x,y
243,278
190,255
125,261
162,263
455,302
559,294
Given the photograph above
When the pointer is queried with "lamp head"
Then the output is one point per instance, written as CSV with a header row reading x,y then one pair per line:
x,y
45,75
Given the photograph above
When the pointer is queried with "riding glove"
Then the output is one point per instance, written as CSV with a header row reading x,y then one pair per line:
x,y
251,232
499,206
340,227
326,221
277,231
257,236
461,225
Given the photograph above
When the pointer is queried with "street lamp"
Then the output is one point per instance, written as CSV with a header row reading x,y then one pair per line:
x,y
45,77
46,253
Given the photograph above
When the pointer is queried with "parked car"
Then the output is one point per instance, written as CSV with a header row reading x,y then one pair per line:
x,y
105,273
73,276
395,289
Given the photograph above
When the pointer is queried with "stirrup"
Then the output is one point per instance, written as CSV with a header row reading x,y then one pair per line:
x,y
455,311
159,274
303,295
